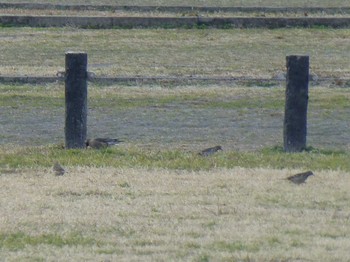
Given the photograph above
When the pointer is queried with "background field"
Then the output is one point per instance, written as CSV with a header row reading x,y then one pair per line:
x,y
179,52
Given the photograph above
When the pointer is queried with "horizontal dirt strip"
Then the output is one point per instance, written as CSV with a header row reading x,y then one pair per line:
x,y
169,22
176,9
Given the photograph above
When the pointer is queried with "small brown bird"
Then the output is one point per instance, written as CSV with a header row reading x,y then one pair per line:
x,y
99,143
210,151
300,178
58,169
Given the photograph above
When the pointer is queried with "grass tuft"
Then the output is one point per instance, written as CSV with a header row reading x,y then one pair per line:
x,y
124,156
19,240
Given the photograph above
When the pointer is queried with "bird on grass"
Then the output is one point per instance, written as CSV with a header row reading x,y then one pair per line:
x,y
210,151
58,169
100,143
300,178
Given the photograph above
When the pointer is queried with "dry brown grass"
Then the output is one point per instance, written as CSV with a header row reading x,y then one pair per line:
x,y
256,53
160,215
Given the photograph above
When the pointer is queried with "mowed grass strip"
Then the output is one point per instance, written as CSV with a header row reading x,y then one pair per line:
x,y
132,156
245,214
199,96
256,53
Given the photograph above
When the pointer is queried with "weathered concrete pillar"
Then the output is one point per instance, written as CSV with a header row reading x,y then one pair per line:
x,y
76,99
295,117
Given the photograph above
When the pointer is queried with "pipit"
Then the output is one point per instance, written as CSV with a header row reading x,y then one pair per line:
x,y
210,151
58,169
300,178
99,143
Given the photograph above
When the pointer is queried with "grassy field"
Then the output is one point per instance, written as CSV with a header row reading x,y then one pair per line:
x,y
133,203
135,214
153,198
283,3
180,52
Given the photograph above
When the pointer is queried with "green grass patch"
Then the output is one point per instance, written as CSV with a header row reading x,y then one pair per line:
x,y
23,101
32,157
19,240
341,101
151,96
235,246
203,258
